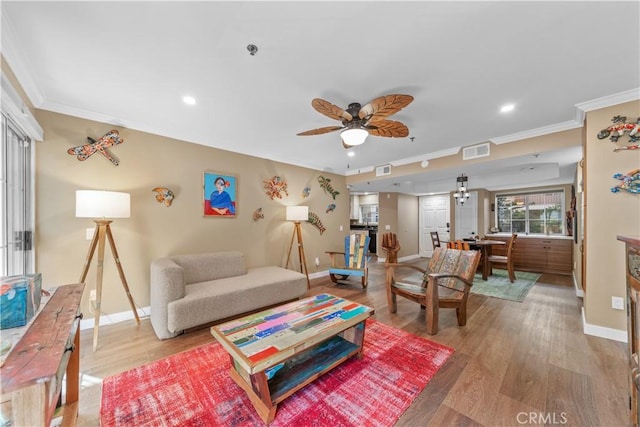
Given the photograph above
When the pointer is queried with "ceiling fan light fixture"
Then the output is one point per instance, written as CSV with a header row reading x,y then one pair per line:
x,y
354,136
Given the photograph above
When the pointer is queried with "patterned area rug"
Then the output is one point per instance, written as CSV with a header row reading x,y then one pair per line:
x,y
499,286
194,388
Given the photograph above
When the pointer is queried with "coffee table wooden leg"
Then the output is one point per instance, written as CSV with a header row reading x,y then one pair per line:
x,y
263,406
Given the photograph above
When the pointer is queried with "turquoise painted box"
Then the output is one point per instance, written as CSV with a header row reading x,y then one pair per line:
x,y
19,299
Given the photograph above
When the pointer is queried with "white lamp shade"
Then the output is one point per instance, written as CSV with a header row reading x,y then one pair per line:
x,y
102,204
354,136
297,213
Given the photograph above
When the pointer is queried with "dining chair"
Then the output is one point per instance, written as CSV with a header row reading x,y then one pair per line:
x,y
506,260
435,239
459,244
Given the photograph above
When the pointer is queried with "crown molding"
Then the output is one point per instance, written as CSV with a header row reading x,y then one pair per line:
x,y
609,101
18,67
13,105
433,155
532,133
358,171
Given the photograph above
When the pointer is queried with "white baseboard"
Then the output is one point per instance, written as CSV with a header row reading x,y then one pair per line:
x,y
404,258
318,274
111,319
602,332
579,291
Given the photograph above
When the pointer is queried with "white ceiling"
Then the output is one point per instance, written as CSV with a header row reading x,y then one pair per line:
x,y
130,63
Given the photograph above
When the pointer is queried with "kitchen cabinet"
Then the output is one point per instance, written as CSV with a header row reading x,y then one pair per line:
x,y
542,254
355,207
632,264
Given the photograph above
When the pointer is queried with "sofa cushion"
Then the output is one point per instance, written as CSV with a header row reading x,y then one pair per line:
x,y
231,296
210,266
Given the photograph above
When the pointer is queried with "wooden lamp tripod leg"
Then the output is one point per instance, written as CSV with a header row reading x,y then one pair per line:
x,y
293,236
301,256
123,279
103,231
297,231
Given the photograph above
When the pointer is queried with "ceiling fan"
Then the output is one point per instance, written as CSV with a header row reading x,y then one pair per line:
x,y
359,121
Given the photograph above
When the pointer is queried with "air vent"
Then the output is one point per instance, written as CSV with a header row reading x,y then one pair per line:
x,y
383,170
476,151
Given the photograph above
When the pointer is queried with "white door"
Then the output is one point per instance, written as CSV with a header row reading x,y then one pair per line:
x,y
467,217
434,216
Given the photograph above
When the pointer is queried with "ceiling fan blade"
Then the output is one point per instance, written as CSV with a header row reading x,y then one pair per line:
x,y
388,128
330,110
385,106
320,131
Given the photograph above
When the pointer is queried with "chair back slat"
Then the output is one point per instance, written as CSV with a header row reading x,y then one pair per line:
x,y
452,261
435,239
356,246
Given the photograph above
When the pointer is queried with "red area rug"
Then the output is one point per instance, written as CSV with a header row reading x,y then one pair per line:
x,y
194,388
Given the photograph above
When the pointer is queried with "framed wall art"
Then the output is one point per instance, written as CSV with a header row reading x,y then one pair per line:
x,y
220,195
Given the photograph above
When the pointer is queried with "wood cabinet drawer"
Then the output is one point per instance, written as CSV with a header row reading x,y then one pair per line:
x,y
539,255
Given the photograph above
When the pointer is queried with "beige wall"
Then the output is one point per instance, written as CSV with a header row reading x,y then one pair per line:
x,y
607,215
408,225
389,213
154,230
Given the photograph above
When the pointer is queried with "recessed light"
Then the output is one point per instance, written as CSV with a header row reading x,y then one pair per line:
x,y
507,108
189,100
351,153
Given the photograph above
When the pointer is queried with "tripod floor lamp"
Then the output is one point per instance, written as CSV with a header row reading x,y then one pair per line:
x,y
103,205
297,214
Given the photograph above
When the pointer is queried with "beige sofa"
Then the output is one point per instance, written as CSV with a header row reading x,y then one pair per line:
x,y
192,290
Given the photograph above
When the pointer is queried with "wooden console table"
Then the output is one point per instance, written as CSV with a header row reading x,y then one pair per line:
x,y
32,373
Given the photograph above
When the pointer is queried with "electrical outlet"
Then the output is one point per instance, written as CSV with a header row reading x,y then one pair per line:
x,y
317,261
340,228
617,303
88,233
92,300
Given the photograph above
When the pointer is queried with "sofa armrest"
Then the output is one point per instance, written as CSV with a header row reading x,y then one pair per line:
x,y
167,285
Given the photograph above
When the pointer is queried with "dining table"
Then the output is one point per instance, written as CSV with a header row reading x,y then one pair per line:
x,y
484,246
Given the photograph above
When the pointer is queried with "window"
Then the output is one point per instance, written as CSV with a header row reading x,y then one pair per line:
x,y
16,255
369,214
531,213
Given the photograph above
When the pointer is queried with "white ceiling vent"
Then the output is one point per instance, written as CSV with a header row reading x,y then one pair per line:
x,y
480,150
383,170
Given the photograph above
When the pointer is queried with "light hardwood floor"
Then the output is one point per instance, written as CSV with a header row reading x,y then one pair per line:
x,y
514,363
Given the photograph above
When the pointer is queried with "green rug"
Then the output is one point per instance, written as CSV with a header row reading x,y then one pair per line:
x,y
499,286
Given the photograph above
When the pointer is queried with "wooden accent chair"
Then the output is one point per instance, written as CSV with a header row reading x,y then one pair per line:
x,y
446,283
506,261
391,246
435,239
353,261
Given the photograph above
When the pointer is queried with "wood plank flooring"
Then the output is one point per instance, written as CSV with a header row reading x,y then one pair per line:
x,y
515,363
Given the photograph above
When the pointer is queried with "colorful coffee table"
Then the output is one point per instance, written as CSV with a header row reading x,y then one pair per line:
x,y
278,351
